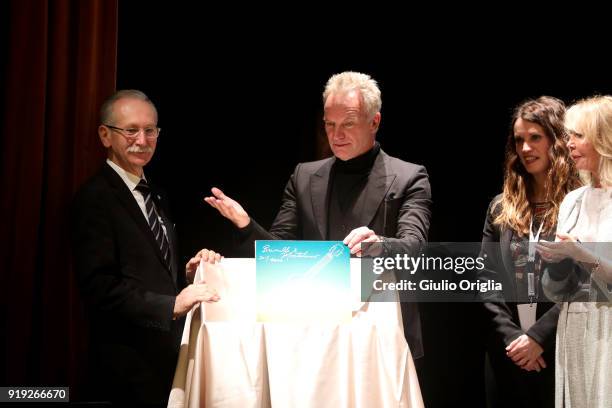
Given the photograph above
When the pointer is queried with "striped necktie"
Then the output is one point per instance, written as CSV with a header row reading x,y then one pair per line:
x,y
153,220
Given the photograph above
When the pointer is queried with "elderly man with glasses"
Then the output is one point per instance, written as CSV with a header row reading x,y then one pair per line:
x,y
127,263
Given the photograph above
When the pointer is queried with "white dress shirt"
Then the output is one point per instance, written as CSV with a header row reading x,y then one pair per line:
x,y
131,181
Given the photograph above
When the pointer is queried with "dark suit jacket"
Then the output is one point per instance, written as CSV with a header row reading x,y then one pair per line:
x,y
396,204
515,387
128,289
499,265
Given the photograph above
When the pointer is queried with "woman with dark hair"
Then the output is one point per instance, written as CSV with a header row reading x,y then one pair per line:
x,y
522,324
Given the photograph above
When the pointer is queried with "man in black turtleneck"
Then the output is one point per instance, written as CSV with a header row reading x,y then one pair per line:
x,y
359,195
348,179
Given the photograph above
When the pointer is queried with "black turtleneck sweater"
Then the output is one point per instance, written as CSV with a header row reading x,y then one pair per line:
x,y
348,179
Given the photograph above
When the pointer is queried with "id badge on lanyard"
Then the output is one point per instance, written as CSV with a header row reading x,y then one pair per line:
x,y
533,239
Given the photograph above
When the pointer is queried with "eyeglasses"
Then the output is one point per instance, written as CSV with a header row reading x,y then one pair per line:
x,y
132,133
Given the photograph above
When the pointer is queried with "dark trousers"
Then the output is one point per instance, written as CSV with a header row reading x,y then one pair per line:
x,y
515,387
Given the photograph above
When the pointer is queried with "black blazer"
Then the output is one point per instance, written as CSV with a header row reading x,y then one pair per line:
x,y
503,316
396,204
128,289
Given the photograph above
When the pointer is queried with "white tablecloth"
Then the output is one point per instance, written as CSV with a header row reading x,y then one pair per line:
x,y
227,359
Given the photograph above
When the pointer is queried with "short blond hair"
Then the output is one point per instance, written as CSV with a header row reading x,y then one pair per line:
x,y
592,118
366,85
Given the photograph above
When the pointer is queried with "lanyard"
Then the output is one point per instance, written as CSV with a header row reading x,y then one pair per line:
x,y
533,239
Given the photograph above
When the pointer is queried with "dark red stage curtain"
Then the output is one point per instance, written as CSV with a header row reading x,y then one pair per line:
x,y
61,64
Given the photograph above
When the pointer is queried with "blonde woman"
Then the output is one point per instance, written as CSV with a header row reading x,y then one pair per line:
x,y
580,269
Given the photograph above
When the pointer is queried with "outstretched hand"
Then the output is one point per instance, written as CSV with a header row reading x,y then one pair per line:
x,y
230,209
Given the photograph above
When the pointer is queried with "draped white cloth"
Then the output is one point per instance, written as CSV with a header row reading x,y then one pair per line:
x,y
227,359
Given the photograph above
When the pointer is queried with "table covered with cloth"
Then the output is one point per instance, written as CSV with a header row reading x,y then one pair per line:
x,y
227,359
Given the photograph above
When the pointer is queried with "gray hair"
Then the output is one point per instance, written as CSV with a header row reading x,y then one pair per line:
x,y
366,85
106,111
